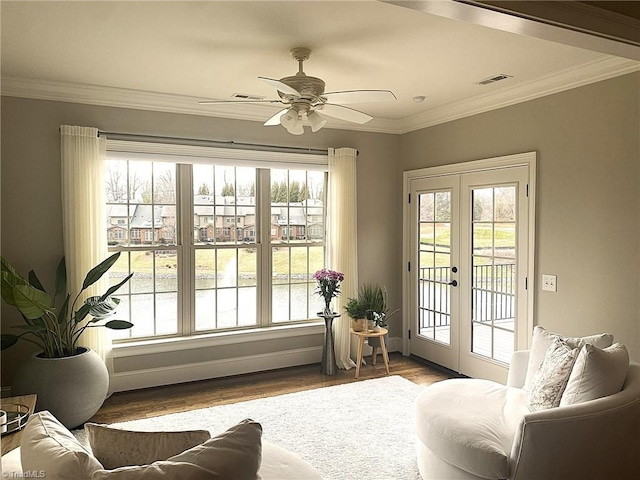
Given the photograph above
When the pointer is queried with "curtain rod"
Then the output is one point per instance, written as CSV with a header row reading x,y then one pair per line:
x,y
210,143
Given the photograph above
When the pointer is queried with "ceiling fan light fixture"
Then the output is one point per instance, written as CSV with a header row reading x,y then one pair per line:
x,y
292,122
296,129
289,118
316,121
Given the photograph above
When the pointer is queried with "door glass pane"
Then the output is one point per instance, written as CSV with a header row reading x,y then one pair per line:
x,y
493,272
434,264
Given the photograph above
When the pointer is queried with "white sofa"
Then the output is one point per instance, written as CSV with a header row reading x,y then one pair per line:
x,y
277,464
477,429
49,450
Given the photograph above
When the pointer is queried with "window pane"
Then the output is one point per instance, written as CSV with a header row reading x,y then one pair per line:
x,y
224,204
280,266
494,271
280,303
205,309
143,222
166,316
151,312
247,298
297,234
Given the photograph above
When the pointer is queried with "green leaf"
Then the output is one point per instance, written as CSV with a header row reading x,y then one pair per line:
x,y
61,277
101,309
31,328
82,313
114,288
96,272
10,278
31,302
118,324
35,282
8,340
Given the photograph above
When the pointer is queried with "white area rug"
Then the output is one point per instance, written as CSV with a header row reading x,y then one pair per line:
x,y
362,430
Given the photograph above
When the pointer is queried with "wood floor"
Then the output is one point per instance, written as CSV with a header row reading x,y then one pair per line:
x,y
151,402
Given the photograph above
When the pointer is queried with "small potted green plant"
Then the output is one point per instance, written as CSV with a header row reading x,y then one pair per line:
x,y
371,303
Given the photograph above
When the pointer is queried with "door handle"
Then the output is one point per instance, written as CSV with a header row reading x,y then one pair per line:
x,y
453,283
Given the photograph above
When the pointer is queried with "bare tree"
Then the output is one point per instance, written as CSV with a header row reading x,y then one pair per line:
x,y
115,183
165,187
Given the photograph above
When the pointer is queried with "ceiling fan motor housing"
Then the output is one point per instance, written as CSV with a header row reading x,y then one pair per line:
x,y
310,88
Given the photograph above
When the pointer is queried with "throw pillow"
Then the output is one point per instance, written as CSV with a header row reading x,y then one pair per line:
x,y
551,378
115,448
49,448
233,455
541,342
596,373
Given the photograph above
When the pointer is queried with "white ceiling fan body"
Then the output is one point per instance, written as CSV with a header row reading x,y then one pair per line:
x,y
305,97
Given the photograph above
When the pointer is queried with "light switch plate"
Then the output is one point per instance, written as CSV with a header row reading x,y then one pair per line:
x,y
549,283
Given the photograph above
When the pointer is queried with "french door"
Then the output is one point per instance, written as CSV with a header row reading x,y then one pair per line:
x,y
469,257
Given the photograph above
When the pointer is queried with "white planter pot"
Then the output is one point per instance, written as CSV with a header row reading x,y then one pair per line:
x,y
71,388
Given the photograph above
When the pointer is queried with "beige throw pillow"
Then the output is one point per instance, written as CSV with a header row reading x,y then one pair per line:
x,y
541,342
596,373
233,455
115,448
550,380
49,450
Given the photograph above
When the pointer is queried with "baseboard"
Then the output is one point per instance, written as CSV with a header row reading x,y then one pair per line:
x,y
395,344
155,377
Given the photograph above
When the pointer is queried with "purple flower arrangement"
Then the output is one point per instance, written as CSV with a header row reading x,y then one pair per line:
x,y
328,286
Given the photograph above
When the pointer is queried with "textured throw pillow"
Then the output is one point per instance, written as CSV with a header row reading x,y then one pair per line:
x,y
50,450
541,342
115,448
233,455
596,373
551,378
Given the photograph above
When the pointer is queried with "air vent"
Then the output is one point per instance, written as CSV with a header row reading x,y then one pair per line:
x,y
246,96
495,78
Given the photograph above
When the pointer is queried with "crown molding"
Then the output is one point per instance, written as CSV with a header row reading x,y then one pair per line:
x,y
569,78
39,89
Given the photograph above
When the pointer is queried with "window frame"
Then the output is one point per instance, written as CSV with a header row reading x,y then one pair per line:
x,y
186,248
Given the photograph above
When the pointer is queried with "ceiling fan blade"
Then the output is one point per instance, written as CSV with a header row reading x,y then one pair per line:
x,y
359,96
214,102
275,120
282,87
344,113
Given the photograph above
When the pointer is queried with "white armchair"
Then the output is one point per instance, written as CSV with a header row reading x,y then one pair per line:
x,y
476,429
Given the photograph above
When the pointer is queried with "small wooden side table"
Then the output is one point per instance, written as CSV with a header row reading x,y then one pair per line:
x,y
361,337
11,441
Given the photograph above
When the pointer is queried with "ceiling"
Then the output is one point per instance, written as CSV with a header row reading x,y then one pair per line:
x,y
169,55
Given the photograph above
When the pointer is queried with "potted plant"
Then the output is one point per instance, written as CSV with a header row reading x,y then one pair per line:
x,y
371,299
71,381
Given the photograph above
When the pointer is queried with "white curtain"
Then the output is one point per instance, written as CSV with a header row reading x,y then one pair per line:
x,y
83,219
343,253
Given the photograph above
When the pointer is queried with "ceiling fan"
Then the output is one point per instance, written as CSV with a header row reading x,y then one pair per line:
x,y
304,96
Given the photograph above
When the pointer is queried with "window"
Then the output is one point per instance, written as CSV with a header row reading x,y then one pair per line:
x,y
147,190
215,247
295,195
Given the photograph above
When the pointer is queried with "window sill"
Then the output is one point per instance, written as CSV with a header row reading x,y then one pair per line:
x,y
173,344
